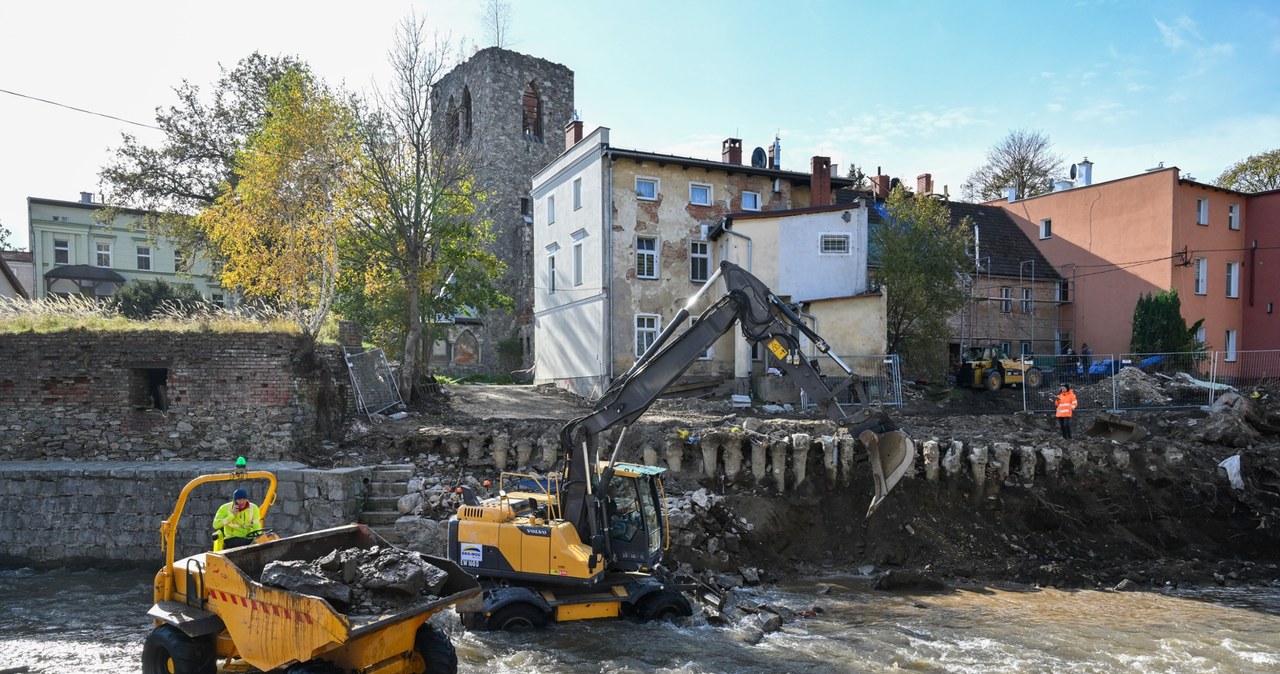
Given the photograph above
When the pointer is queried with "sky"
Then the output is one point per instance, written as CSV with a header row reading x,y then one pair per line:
x,y
906,87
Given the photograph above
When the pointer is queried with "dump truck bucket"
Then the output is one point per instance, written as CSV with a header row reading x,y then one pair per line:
x,y
892,455
1112,427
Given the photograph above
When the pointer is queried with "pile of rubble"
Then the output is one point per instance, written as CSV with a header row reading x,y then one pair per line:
x,y
360,581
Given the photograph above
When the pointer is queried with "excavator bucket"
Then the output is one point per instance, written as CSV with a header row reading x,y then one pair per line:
x,y
892,455
1112,427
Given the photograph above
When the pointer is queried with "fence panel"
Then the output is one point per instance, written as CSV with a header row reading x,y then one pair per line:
x,y
1089,376
880,380
375,384
1153,381
1245,370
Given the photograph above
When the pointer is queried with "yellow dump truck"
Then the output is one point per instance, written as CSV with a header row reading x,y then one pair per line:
x,y
213,612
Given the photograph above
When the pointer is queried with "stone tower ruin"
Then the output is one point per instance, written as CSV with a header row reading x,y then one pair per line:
x,y
510,110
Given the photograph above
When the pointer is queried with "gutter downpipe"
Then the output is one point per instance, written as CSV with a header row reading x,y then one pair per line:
x,y
741,350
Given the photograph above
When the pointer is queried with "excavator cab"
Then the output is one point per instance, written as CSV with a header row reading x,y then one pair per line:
x,y
636,521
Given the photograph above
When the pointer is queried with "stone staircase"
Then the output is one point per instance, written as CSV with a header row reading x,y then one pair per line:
x,y
387,484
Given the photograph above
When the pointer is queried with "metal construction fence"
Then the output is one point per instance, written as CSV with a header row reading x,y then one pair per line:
x,y
1148,381
879,380
375,383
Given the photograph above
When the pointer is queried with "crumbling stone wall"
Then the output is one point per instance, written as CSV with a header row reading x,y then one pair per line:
x,y
100,513
132,396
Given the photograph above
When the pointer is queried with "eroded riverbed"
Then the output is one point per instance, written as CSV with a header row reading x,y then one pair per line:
x,y
94,621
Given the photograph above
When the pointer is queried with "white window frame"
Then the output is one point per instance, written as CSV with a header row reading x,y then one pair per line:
x,y
577,263
650,329
648,181
144,254
711,199
99,252
753,207
1202,211
62,247
551,209
178,259
1006,300
1046,229
551,274
577,193
1028,300
1233,216
695,255
650,254
1200,334
1230,347
1201,268
832,237
1233,280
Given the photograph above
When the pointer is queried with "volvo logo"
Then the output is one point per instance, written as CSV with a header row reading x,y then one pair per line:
x,y
545,532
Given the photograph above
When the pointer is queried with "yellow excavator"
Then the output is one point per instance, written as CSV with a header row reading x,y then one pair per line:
x,y
589,543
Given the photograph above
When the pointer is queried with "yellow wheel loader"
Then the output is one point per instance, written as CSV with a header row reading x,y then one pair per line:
x,y
991,368
213,612
589,543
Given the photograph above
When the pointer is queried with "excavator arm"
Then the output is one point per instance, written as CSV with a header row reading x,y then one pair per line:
x,y
764,319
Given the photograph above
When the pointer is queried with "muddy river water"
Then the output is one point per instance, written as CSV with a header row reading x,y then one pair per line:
x,y
94,621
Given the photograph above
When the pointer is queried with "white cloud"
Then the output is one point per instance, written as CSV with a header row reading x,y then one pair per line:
x,y
1172,39
1053,107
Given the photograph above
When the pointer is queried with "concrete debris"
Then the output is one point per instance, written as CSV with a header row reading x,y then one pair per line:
x,y
359,581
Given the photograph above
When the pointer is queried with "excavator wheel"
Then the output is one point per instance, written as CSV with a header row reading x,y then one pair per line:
x,y
168,651
992,381
436,650
665,605
1032,378
516,617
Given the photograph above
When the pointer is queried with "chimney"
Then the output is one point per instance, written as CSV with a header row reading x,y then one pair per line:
x,y
731,151
881,184
86,197
820,182
572,133
1084,173
924,184
1011,193
775,154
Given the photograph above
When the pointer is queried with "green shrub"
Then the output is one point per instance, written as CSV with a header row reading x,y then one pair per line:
x,y
145,300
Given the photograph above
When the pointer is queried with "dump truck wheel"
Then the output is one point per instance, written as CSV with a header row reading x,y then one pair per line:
x,y
436,650
1032,378
993,381
169,651
517,617
665,605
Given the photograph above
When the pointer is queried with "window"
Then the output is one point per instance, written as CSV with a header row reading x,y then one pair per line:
x,y
526,209
1231,346
1004,347
551,209
1233,279
1202,276
646,257
1006,300
699,194
577,193
750,201
1046,229
1024,348
1200,335
1064,291
1233,216
646,332
551,274
647,189
577,263
531,113
144,258
699,261
218,299
1202,211
834,244
179,259
61,251
104,254
1028,300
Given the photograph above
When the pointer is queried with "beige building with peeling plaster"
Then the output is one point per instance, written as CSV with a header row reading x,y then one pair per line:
x,y
623,238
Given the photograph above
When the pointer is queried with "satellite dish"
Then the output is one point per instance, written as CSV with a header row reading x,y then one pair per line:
x,y
1073,171
758,159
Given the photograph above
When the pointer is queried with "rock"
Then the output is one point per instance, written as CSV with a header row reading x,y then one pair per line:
x,y
750,576
298,576
768,622
1126,585
772,409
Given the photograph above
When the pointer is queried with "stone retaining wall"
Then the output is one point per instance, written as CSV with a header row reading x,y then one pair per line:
x,y
106,513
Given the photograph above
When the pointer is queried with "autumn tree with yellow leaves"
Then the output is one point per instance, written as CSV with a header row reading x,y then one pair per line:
x,y
278,228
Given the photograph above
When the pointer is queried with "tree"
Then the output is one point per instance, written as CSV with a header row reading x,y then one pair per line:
x,y
417,233
497,21
1158,326
860,179
279,226
1023,160
194,164
4,237
144,300
920,257
1258,173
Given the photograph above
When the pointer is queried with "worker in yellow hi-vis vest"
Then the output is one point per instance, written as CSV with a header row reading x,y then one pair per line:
x,y
236,522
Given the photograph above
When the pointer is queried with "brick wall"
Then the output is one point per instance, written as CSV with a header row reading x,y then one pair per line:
x,y
137,396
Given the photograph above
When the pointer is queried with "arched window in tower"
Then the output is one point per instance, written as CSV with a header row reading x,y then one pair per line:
x,y
465,115
532,109
451,122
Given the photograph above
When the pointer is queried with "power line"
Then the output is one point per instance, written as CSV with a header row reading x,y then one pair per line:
x,y
87,112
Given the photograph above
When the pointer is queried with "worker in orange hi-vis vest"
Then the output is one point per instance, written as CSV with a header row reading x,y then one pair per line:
x,y
1066,405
